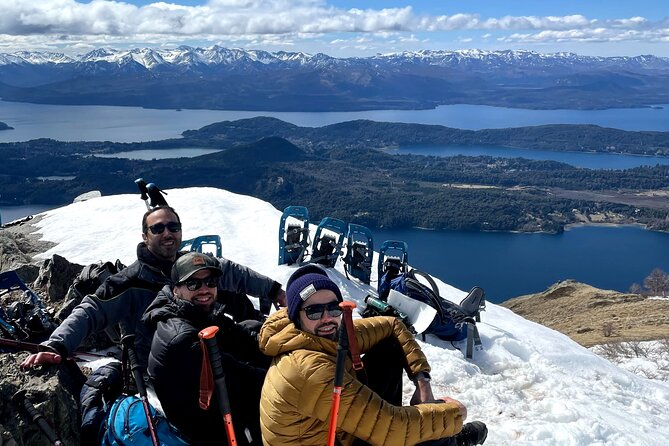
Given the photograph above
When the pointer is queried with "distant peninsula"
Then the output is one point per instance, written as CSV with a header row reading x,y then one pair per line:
x,y
344,171
4,126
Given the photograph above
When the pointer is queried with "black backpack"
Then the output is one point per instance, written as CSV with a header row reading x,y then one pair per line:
x,y
92,276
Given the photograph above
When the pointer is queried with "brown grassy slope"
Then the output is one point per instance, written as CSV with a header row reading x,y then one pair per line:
x,y
583,312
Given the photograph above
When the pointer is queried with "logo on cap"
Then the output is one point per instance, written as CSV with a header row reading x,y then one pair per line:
x,y
198,260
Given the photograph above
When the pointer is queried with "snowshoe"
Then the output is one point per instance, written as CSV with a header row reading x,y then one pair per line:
x,y
393,258
293,235
328,242
208,244
359,252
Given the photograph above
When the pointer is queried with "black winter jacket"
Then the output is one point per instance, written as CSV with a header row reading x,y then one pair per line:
x,y
175,363
123,298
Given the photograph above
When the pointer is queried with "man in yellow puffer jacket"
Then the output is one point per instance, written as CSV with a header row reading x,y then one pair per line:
x,y
297,393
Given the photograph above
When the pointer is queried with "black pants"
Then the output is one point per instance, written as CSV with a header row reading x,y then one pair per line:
x,y
244,384
383,373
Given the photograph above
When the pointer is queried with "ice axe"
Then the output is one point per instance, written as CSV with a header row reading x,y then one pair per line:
x,y
19,398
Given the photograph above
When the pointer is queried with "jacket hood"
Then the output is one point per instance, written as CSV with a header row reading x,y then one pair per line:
x,y
279,335
166,306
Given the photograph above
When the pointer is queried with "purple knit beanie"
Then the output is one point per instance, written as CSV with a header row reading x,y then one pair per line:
x,y
303,283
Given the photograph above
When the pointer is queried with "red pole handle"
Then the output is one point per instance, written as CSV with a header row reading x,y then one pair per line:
x,y
208,339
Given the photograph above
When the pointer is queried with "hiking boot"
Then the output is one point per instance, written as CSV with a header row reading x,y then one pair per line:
x,y
471,434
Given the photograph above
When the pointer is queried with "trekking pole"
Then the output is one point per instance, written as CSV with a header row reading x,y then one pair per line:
x,y
19,398
342,349
128,342
36,348
212,355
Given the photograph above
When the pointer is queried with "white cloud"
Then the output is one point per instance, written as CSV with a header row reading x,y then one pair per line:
x,y
104,22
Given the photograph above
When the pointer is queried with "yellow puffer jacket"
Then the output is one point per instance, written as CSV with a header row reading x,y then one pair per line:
x,y
297,394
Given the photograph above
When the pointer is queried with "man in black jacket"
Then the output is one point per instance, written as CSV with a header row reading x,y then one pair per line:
x,y
123,297
176,316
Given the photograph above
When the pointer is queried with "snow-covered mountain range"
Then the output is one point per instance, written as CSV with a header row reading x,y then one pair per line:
x,y
223,78
186,56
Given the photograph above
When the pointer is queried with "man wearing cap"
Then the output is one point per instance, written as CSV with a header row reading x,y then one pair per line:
x,y
177,315
296,397
123,297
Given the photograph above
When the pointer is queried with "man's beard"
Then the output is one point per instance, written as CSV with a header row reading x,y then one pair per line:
x,y
331,336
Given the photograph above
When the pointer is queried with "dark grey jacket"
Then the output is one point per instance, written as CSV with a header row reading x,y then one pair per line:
x,y
175,364
123,298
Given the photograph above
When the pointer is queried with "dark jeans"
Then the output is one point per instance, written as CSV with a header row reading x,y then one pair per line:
x,y
383,372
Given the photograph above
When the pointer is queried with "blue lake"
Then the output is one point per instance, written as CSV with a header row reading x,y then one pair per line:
x,y
151,154
11,213
129,124
578,159
508,265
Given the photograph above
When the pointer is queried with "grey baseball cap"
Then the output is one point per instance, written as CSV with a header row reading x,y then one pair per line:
x,y
192,262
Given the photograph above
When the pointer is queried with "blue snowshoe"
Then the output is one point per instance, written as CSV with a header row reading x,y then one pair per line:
x,y
208,244
328,242
359,252
393,259
293,235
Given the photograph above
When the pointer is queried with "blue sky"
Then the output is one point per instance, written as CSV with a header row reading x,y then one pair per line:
x,y
340,27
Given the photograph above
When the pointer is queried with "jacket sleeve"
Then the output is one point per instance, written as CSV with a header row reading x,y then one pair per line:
x,y
365,415
372,330
242,280
90,316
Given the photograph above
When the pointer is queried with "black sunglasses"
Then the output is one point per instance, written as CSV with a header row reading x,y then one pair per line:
x,y
315,312
159,228
196,284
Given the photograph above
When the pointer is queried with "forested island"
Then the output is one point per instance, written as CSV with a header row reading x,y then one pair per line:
x,y
4,126
343,170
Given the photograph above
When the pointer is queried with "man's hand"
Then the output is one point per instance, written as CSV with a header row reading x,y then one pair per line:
x,y
41,358
463,409
423,393
280,299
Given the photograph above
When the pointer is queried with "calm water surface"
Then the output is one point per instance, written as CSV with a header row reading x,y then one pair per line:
x,y
153,154
578,159
130,124
11,213
508,264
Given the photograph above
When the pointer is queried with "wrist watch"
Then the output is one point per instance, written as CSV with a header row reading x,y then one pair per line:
x,y
422,376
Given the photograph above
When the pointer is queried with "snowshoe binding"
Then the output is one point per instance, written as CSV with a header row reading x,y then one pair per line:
x,y
293,235
328,242
393,259
359,252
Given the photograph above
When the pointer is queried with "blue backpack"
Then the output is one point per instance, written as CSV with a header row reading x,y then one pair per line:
x,y
450,323
126,425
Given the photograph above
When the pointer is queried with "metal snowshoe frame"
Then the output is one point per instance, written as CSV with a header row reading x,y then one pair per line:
x,y
201,242
328,242
393,254
293,235
359,252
